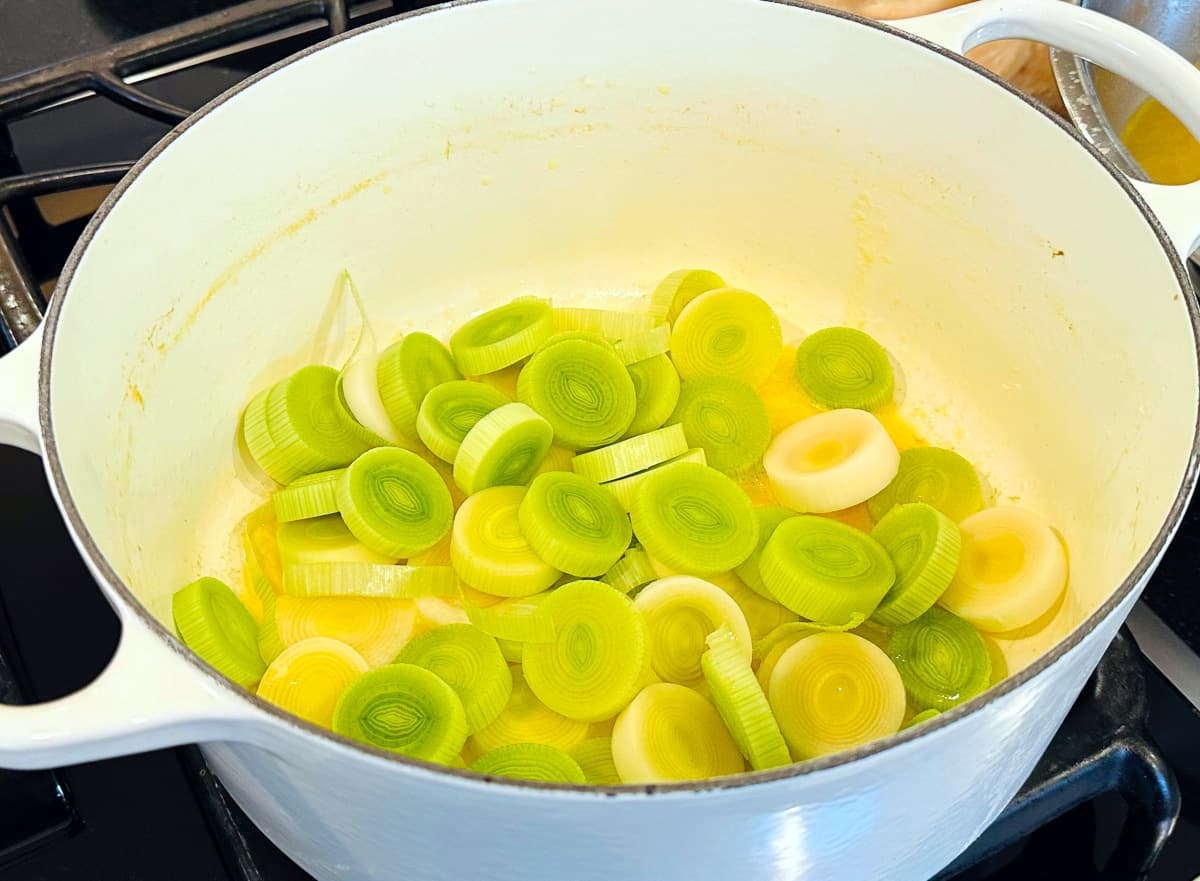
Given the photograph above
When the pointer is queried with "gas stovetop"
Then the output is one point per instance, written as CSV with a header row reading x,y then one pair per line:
x,y
86,87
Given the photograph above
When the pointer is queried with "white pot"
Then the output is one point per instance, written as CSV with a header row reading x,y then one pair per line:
x,y
848,171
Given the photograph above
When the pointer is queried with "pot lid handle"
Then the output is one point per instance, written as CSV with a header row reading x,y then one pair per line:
x,y
1112,44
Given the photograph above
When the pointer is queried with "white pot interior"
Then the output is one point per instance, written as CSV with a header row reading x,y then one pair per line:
x,y
582,150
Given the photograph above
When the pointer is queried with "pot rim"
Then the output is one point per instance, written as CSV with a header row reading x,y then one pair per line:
x,y
1010,684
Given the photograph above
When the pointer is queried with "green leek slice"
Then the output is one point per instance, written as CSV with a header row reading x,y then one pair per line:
x,y
490,552
586,335
625,489
669,733
741,703
594,757
632,455
583,391
942,660
680,288
502,336
785,633
727,418
530,761
840,367
726,332
525,719
935,476
395,502
768,519
656,392
573,524
322,540
470,662
313,495
449,411
406,371
920,718
630,572
834,691
307,679
368,580
593,668
504,448
679,613
924,545
694,518
214,624
611,324
513,620
824,570
641,346
406,709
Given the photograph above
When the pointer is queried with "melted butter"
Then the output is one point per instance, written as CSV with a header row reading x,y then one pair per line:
x,y
1161,145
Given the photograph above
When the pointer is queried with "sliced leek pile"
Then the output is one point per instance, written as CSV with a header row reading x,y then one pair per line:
x,y
644,545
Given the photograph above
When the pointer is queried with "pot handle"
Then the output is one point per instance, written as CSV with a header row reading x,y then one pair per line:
x,y
1112,44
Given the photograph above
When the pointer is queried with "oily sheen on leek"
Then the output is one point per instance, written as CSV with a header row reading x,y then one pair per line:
x,y
307,679
470,662
842,367
530,761
668,734
573,524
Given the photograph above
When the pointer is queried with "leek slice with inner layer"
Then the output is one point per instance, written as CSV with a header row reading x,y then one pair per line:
x,y
394,502
942,660
725,417
741,703
726,332
530,761
489,550
502,336
307,678
841,367
573,524
504,448
938,477
584,392
669,733
924,545
656,392
214,624
449,411
470,662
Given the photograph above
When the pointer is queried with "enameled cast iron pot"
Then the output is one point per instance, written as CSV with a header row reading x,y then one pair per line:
x,y
850,171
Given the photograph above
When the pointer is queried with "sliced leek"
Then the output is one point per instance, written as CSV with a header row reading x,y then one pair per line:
x,y
584,392
504,448
680,288
727,418
741,703
632,454
933,475
307,678
726,332
656,392
322,540
762,615
625,489
835,691
490,552
530,761
502,336
470,662
824,570
313,495
924,545
214,624
594,666
630,572
405,709
611,324
594,757
645,345
376,628
515,620
573,524
679,613
669,733
942,660
394,502
405,373
1012,569
748,571
831,461
525,719
841,367
368,580
449,411
358,384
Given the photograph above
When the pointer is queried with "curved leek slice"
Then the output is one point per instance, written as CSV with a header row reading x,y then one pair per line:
x,y
583,391
586,335
942,660
322,540
573,524
405,709
525,719
557,459
693,518
515,620
656,392
1012,569
680,288
924,546
357,385
727,418
679,614
632,454
670,733
768,519
834,691
394,502
502,336
434,612
741,703
376,628
831,461
594,757
470,662
841,367
530,761
726,332
308,678
368,580
504,448
920,718
214,624
824,570
611,324
313,495
594,666
762,615
935,476
270,646
405,373
641,346
450,410
260,538
630,572
490,552
626,489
